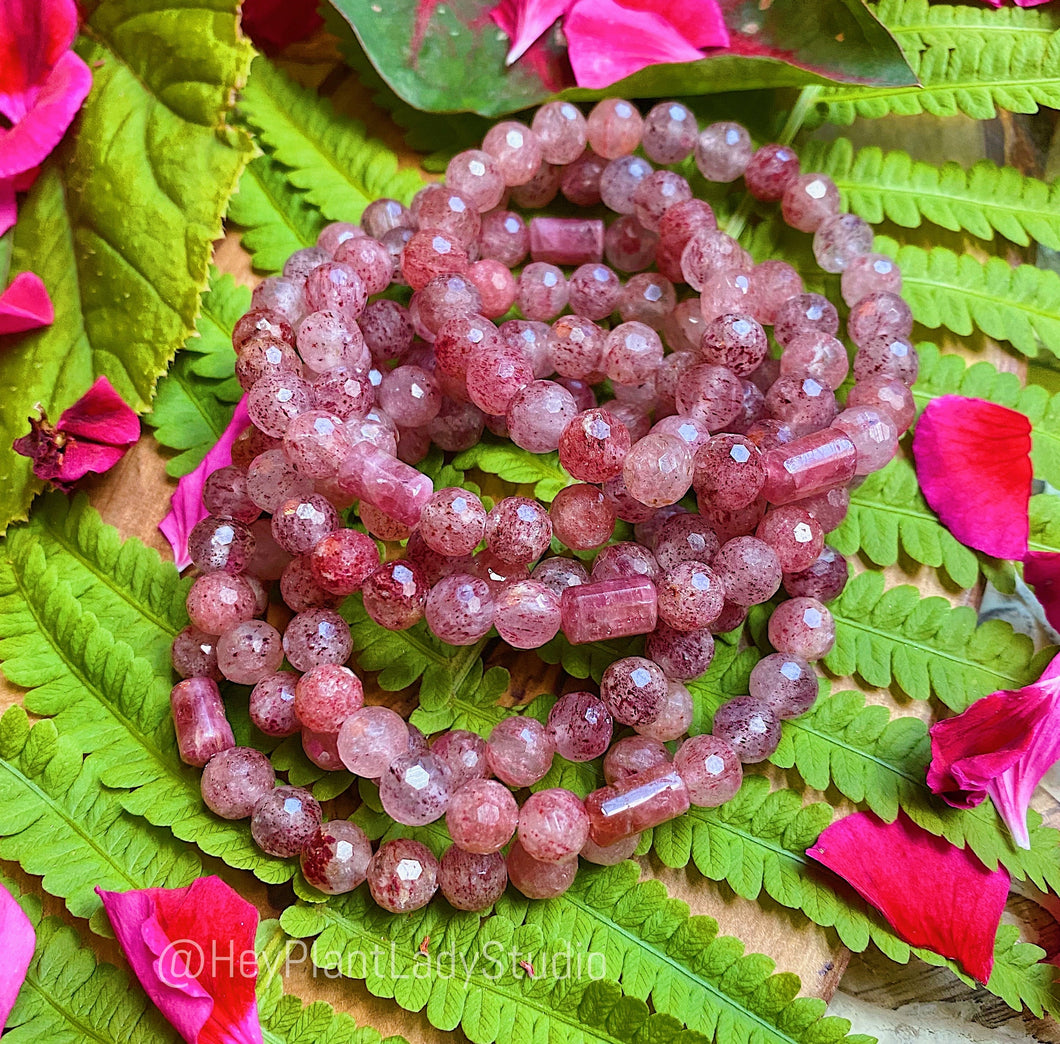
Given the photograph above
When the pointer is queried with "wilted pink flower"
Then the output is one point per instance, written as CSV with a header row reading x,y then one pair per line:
x,y
17,940
92,435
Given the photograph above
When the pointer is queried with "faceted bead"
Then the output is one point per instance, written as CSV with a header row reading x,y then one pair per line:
x,y
482,816
749,569
497,573
461,338
770,171
234,780
370,260
519,751
335,858
614,128
538,880
628,245
337,287
476,175
734,341
540,190
612,854
495,377
496,286
395,242
621,504
329,339
431,252
690,596
594,291
582,391
553,825
277,398
194,654
541,292
647,298
459,609
464,753
284,820
560,573
580,182
472,882
504,237
732,616
538,415
415,789
874,434
749,727
710,769
580,726
343,394
729,472
316,442
581,517
386,483
685,538
786,684
894,358
887,395
566,241
342,561
575,347
300,523
683,655
710,394
624,559
322,749
677,225
220,544
225,495
529,340
260,322
283,296
809,465
403,875
527,614
879,315
839,240
723,151
802,402
518,530
824,578
316,637
593,446
619,183
675,715
300,589
633,690
727,292
654,195
249,651
410,396
219,601
802,627
810,200
638,803
370,738
387,329
272,704
633,755
691,430
670,133
804,313
794,534
658,470
561,130
817,355
733,522
326,695
382,215
772,283
453,521
609,609
868,274
199,720
709,254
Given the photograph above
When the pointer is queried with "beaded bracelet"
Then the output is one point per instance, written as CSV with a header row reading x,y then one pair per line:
x,y
347,390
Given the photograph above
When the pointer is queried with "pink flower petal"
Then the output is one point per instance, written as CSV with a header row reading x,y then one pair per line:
x,y
25,304
525,20
186,503
1000,746
33,36
702,24
273,24
1041,569
8,209
932,893
101,415
34,136
193,951
973,462
17,940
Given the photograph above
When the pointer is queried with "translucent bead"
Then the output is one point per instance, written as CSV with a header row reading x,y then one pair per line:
x,y
611,855
619,183
709,254
225,495
322,749
220,544
802,627
538,880
464,753
495,284
518,529
281,295
450,211
457,427
628,245
594,290
541,292
638,803
335,234
382,215
690,596
658,470
504,237
316,442
527,614
459,609
874,434
402,876
528,340
710,769
802,402
272,704
886,394
621,504
395,242
234,780
370,260
495,377
654,195
387,329
395,594
581,517
732,522
633,690
199,720
580,182
337,287
839,240
519,751
370,738
453,521
432,252
540,190
824,578
675,715
553,825
887,356
624,559
566,241
729,471
300,589
326,696
810,200
582,391
670,133
685,538
300,523
472,882
811,464
749,569
804,313
723,151
633,755
647,298
734,341
576,346
194,654
869,274
446,297
342,561
786,684
770,171
538,415
560,573
415,789
683,655
614,128
261,322
388,484
580,726
335,858
482,816
794,534
879,315
476,175
749,727
561,130
710,394
284,820
249,651
593,446
315,637
772,283
677,225
219,601
817,355
614,608
276,399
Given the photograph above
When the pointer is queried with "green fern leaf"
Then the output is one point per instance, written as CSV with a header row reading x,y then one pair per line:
x,y
196,398
275,217
1018,304
512,464
926,646
986,199
967,59
589,660
330,157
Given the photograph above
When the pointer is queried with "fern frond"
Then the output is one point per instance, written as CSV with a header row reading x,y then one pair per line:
x,y
983,200
507,461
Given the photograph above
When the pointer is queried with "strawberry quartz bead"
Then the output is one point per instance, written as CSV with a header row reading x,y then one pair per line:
x,y
194,654
495,284
839,240
581,517
638,803
619,182
810,200
276,399
451,212
677,225
772,283
749,570
476,175
261,322
464,753
560,573
199,720
504,237
614,128
387,329
734,341
461,338
370,739
580,181
580,726
685,538
453,522
690,596
809,465
272,704
749,727
336,287
482,816
612,854
888,395
518,530
343,560
723,151
824,578
316,637
495,377
804,313
415,789
729,472
220,544
869,274
519,751
787,684
225,495
538,415
561,131
670,133
300,590
315,442
712,395
432,252
446,297
299,524
249,651
709,254
770,171
614,608
594,290
675,715
541,292
526,614
382,215
802,627
624,559
647,298
528,339
234,780
633,690
734,522
459,609
344,394
335,858
655,194
879,315
658,470
575,347
402,876
553,825
593,446
286,297
710,769
496,572
817,355
802,402
322,749
385,483
566,241
887,356
829,508
326,696
794,534
219,601
284,820
472,882
633,755
874,434
628,245
684,655
538,880
370,260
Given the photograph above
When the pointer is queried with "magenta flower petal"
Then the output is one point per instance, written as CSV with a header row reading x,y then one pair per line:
x,y
17,940
931,892
274,24
101,415
1041,569
25,304
33,36
702,24
607,42
525,20
8,209
186,503
193,951
34,136
973,462
1000,747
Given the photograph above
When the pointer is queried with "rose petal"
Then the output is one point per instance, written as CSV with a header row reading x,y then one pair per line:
x,y
973,462
186,503
931,892
25,304
525,20
101,415
273,24
17,940
702,24
607,42
33,36
1041,570
33,137
8,208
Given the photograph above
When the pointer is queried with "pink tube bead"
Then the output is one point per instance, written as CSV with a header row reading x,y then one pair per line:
x,y
566,241
809,465
199,720
394,487
614,608
637,803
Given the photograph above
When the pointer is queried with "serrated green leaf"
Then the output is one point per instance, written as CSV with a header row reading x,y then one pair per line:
x,y
589,660
276,218
195,400
330,157
121,221
512,464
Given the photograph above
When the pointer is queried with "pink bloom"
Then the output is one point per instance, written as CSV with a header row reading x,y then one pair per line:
x,y
1019,3
193,951
186,503
1000,746
17,940
92,435
932,893
525,20
25,304
273,24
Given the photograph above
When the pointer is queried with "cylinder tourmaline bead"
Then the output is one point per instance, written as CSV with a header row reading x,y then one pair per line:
x,y
638,803
394,487
199,720
809,465
614,608
566,241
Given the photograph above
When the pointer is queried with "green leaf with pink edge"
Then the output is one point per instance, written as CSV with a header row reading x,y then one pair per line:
x,y
450,57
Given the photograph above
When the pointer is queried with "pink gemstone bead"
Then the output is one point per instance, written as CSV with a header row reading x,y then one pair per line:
x,y
712,395
709,254
710,769
234,780
462,337
809,200
386,328
453,522
612,854
315,442
504,237
402,876
839,240
335,859
540,190
560,573
472,882
575,347
874,434
675,715
594,291
729,472
647,298
677,225
670,133
625,559
343,560
527,614
811,464
516,150
541,292
772,283
619,183
395,594
580,726
684,655
199,720
272,704
633,755
802,627
538,415
276,399
382,215
260,322
580,182
879,315
300,523
802,402
477,175
460,609
415,788
464,753
749,727
633,690
553,825
249,651
883,393
685,538
794,534
519,751
723,151
787,684
628,245
219,601
410,396
638,803
495,377
281,295
370,739
496,572
322,748
370,260
614,128
431,252
220,544
495,284
300,589
869,274
561,129
284,820
655,194
337,287
518,530
315,637
385,482
658,470
817,355
609,609
887,356
194,654
538,880
691,430
593,446
581,517
770,171
727,292
566,241
482,816
734,341
690,596
804,313
749,569
326,696
824,578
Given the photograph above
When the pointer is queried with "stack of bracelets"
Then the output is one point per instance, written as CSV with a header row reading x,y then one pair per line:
x,y
348,389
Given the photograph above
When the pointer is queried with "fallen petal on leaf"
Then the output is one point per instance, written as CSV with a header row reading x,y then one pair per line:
x,y
933,894
25,304
101,415
273,24
1041,570
701,24
34,34
525,20
974,466
8,208
17,940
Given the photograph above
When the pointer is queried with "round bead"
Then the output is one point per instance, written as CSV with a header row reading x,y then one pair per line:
x,y
802,627
749,569
519,751
729,472
272,704
453,522
249,651
284,820
749,727
658,470
402,875
879,315
538,415
809,200
370,739
464,753
631,756
839,240
538,880
527,614
723,151
219,601
710,769
459,609
234,780
316,637
593,446
614,128
580,726
824,578
787,684
874,434
670,133
518,530
515,149
477,175
326,696
541,292
415,788
561,130
794,534
553,825
690,596
472,882
770,171
482,816
335,858
633,690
